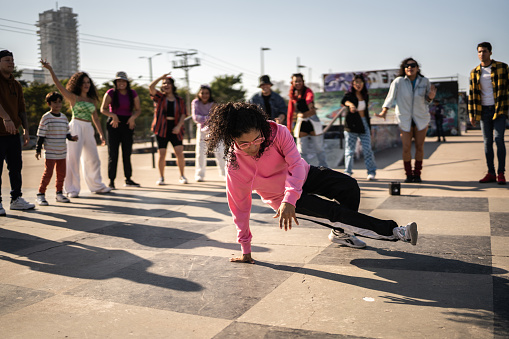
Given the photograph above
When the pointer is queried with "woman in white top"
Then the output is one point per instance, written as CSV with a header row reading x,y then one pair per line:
x,y
411,93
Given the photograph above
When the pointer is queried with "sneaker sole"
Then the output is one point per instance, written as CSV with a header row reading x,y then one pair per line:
x,y
412,230
22,208
345,242
131,185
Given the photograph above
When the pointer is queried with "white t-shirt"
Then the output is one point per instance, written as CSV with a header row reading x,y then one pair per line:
x,y
361,106
487,98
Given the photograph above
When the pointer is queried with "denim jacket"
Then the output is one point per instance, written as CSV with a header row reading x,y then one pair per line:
x,y
277,103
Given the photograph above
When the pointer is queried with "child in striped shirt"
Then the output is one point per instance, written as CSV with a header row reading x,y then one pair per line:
x,y
52,133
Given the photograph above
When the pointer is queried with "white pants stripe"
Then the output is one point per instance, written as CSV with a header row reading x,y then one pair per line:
x,y
90,163
348,229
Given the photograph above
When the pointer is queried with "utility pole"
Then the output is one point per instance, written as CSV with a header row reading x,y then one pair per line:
x,y
262,49
186,66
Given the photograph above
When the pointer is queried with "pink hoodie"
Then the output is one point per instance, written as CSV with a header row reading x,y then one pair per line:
x,y
277,176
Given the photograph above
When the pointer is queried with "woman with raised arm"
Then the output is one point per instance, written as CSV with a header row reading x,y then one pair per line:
x,y
168,124
411,93
304,122
81,94
121,105
201,107
262,157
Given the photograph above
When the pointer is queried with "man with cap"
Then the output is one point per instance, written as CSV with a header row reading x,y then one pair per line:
x,y
271,102
12,116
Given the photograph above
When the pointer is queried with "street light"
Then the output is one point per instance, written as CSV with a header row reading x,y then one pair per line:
x,y
150,63
262,49
299,66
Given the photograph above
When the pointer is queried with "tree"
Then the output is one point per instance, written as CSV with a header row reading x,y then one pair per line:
x,y
35,103
17,74
223,88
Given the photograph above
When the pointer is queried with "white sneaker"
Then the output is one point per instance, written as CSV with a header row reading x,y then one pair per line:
x,y
2,211
62,198
371,177
41,200
407,233
103,190
73,194
346,239
183,180
198,179
21,204
160,181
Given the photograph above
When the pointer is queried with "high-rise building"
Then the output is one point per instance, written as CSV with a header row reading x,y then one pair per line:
x,y
58,35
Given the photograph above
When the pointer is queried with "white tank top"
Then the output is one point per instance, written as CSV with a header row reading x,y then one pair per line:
x,y
361,106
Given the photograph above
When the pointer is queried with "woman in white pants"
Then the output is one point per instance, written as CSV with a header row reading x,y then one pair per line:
x,y
201,107
82,96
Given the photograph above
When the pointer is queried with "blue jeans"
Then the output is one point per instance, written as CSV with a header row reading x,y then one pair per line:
x,y
351,142
10,152
488,125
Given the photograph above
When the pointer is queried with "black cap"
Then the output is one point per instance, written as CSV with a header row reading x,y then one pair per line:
x,y
265,79
5,53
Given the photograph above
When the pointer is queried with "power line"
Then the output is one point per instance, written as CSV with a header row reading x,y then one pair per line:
x,y
129,44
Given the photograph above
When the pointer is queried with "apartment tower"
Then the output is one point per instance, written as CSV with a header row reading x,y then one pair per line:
x,y
58,39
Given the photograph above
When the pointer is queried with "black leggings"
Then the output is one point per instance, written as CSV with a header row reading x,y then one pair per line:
x,y
343,207
122,135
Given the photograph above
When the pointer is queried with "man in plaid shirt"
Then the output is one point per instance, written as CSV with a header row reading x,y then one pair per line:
x,y
488,103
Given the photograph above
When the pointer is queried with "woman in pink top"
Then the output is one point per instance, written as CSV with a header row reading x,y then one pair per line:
x,y
262,157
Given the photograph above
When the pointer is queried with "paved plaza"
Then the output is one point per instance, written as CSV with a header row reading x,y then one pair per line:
x,y
152,262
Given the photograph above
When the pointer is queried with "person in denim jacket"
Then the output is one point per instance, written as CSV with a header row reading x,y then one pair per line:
x,y
271,102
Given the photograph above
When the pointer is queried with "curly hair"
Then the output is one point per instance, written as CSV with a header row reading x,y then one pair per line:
x,y
76,82
230,121
403,65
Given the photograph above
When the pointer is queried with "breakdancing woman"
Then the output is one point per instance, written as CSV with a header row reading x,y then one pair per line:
x,y
262,157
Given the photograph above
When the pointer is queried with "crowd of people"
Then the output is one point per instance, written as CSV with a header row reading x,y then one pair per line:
x,y
263,145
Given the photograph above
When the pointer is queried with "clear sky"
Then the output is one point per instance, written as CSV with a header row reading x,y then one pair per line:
x,y
327,36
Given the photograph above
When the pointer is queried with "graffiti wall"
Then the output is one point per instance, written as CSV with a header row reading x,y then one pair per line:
x,y
336,84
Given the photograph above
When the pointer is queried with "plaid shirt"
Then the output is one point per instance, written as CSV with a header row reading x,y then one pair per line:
x,y
500,81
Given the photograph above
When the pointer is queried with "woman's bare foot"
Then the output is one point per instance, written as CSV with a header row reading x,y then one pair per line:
x,y
244,258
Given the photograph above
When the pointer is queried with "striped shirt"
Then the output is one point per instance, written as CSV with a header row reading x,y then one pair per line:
x,y
54,129
500,82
